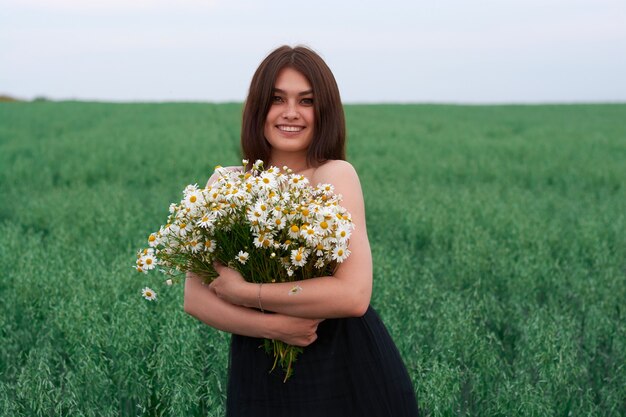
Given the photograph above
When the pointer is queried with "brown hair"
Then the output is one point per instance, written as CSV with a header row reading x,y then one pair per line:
x,y
329,129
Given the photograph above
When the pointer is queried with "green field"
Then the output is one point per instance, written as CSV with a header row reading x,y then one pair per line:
x,y
498,235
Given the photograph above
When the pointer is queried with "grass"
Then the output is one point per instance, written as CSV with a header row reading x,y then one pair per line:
x,y
498,236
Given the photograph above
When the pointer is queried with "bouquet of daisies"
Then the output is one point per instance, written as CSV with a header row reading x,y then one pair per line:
x,y
269,224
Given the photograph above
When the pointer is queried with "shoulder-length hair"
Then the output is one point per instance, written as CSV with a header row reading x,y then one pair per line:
x,y
329,128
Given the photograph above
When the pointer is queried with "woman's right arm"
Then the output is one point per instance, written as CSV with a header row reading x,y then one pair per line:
x,y
206,306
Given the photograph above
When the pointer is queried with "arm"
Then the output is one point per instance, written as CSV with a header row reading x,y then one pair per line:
x,y
346,294
203,304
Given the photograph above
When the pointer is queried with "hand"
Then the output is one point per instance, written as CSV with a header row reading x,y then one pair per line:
x,y
295,331
229,285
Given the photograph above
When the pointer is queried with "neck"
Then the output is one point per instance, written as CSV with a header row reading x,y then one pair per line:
x,y
297,162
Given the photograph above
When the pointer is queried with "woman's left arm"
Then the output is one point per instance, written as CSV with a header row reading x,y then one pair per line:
x,y
345,294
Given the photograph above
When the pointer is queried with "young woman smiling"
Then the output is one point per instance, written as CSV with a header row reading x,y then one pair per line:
x,y
293,116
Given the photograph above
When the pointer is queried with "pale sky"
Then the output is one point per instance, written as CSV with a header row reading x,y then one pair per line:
x,y
443,51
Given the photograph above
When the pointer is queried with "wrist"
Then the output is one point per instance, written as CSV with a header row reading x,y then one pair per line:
x,y
250,295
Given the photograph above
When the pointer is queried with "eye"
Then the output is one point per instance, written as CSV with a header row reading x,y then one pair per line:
x,y
277,99
307,101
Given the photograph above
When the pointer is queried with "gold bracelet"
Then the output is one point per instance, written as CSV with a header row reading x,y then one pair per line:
x,y
259,298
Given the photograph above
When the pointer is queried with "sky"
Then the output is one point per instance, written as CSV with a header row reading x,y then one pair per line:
x,y
440,51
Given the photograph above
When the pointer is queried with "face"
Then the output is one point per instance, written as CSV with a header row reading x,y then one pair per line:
x,y
289,121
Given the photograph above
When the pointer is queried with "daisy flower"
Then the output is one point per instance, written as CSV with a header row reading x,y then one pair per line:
x,y
340,253
195,245
298,181
148,294
343,232
267,180
210,246
278,223
323,227
193,199
263,241
293,231
148,261
242,257
309,234
181,228
206,221
299,256
153,240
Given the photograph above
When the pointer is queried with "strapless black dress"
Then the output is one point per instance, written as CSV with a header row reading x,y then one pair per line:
x,y
352,369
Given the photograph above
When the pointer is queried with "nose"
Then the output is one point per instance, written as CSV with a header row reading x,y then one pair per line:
x,y
291,112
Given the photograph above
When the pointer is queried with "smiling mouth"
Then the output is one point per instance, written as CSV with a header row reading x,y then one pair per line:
x,y
285,128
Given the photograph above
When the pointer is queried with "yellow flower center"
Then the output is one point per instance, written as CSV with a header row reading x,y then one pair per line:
x,y
152,238
266,180
298,257
324,225
192,199
340,252
295,229
149,261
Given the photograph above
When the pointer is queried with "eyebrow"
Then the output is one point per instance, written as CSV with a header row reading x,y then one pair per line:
x,y
303,93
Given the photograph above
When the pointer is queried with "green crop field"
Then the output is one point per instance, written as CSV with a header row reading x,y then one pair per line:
x,y
498,235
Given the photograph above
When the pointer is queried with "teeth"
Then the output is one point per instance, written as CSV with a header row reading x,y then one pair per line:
x,y
290,128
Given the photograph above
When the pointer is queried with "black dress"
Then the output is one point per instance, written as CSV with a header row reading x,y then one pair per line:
x,y
352,369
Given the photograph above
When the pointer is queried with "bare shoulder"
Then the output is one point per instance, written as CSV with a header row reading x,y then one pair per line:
x,y
334,171
213,177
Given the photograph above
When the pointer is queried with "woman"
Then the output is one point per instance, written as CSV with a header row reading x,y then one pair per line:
x,y
350,367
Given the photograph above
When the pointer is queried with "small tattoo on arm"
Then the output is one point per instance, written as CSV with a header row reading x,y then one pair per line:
x,y
295,290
